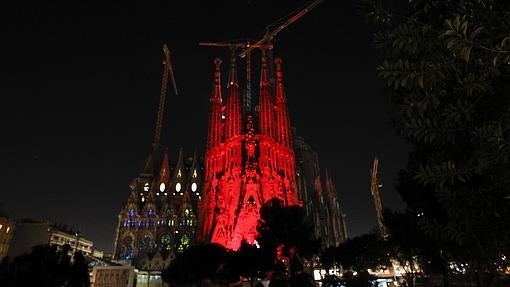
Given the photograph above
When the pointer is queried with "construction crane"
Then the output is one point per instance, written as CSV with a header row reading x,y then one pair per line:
x,y
264,43
374,189
167,73
271,33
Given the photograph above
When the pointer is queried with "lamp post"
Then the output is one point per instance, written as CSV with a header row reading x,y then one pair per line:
x,y
77,234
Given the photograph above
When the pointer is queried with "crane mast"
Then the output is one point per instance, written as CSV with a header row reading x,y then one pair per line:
x,y
374,189
167,72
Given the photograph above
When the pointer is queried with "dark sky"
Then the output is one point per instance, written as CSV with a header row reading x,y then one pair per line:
x,y
80,83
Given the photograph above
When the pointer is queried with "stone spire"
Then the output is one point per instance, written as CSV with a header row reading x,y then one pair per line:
x,y
266,104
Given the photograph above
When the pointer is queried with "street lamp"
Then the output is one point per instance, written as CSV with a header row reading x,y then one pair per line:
x,y
77,234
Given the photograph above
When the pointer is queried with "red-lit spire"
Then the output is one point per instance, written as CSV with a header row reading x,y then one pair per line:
x,y
233,109
282,114
266,105
215,116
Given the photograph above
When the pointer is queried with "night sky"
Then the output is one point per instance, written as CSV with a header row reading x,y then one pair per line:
x,y
80,85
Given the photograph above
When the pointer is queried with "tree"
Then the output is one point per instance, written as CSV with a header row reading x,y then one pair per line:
x,y
446,67
248,262
328,258
195,264
45,265
406,233
367,251
408,243
78,271
286,228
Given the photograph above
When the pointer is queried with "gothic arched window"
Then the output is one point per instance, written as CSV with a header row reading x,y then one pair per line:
x,y
166,242
147,244
184,244
126,248
189,218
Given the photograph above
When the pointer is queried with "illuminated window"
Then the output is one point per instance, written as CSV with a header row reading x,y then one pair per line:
x,y
194,173
143,199
146,186
1,225
194,186
8,228
179,174
162,187
166,242
189,218
184,243
178,187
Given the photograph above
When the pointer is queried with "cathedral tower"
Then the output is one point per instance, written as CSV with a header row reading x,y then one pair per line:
x,y
248,160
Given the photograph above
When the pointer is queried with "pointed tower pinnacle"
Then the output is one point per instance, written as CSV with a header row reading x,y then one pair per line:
x,y
164,176
233,110
282,113
266,104
215,116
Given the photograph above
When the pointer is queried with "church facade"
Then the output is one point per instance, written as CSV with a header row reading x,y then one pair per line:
x,y
248,159
251,157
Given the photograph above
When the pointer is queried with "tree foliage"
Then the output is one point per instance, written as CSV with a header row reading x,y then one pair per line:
x,y
367,251
195,264
446,65
287,225
45,265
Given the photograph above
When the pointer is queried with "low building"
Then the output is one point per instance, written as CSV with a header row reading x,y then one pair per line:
x,y
29,233
75,241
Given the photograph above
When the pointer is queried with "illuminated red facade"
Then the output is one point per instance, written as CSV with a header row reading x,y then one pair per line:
x,y
248,159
